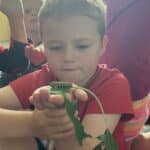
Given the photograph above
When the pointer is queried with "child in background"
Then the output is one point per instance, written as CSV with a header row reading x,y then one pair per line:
x,y
73,34
16,60
31,9
35,51
12,60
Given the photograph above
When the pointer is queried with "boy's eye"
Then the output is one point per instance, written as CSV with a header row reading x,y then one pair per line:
x,y
56,47
83,46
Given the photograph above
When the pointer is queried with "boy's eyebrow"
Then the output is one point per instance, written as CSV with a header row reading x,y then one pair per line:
x,y
82,40
86,40
53,41
75,40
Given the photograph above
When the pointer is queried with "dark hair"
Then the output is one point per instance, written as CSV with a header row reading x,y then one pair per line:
x,y
95,9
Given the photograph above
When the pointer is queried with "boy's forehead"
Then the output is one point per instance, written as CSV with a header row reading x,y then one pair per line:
x,y
74,26
60,20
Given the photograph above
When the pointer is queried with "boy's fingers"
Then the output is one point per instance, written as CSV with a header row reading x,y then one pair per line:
x,y
49,105
36,101
57,100
45,98
34,98
58,121
40,98
55,112
80,95
63,127
44,94
63,135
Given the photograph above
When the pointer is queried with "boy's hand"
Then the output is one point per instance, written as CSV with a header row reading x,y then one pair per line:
x,y
52,124
51,120
12,8
42,98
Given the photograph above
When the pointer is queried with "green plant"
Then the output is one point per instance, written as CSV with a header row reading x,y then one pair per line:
x,y
106,140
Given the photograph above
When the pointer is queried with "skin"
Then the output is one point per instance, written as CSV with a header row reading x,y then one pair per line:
x,y
31,9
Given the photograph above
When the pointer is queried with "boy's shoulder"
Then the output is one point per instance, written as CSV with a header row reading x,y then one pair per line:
x,y
112,88
105,73
107,78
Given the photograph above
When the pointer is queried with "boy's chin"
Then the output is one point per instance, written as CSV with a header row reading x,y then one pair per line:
x,y
71,79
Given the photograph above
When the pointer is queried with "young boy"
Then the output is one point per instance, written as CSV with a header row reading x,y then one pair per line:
x,y
73,33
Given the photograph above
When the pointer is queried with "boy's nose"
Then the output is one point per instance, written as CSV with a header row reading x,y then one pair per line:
x,y
69,55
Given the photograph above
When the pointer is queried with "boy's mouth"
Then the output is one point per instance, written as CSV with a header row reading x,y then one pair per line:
x,y
69,69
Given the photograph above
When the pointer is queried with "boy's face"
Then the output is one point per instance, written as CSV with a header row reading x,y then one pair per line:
x,y
73,47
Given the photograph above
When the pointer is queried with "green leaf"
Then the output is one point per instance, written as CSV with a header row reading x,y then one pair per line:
x,y
108,141
71,108
79,129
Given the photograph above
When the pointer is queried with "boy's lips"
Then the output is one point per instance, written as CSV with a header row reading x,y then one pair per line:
x,y
69,69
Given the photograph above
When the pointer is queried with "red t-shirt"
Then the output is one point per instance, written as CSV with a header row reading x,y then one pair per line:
x,y
108,84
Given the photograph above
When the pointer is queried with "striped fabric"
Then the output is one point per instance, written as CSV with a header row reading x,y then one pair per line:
x,y
134,126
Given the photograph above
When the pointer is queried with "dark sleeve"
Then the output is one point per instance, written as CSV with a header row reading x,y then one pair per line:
x,y
13,60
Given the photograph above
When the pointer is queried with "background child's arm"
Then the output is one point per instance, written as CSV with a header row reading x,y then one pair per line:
x,y
14,11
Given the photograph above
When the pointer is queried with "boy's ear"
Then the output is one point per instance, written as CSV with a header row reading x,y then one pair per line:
x,y
104,44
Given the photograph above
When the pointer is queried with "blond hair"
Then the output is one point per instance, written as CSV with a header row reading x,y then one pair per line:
x,y
95,9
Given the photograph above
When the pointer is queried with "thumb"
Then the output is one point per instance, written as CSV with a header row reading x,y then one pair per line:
x,y
80,95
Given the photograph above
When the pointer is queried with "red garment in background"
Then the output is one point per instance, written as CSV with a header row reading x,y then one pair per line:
x,y
1,48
